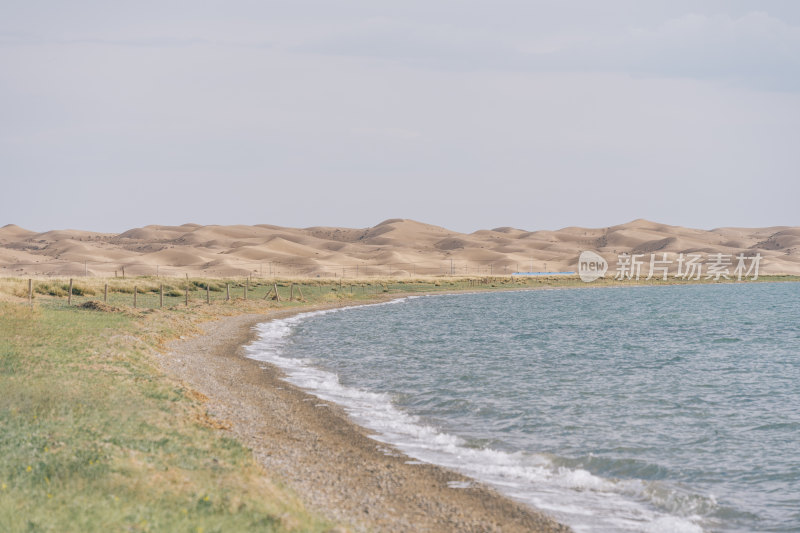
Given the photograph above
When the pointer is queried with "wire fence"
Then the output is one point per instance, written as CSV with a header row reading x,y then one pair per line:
x,y
271,269
149,293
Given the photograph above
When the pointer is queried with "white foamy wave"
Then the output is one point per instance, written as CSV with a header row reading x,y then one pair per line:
x,y
574,496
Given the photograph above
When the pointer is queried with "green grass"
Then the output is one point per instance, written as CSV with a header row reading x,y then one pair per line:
x,y
95,438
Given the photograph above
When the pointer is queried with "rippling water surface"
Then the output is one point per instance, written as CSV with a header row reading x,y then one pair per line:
x,y
614,409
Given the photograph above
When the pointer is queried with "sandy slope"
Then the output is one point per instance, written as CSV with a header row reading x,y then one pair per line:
x,y
397,246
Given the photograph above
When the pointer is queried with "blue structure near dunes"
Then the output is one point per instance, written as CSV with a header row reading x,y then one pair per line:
x,y
542,273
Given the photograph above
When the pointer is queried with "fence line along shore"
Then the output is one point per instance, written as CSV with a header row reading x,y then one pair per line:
x,y
169,292
273,269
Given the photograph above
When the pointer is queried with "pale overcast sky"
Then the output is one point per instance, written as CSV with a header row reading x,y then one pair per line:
x,y
533,114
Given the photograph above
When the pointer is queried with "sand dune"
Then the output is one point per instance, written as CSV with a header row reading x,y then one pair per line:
x,y
397,246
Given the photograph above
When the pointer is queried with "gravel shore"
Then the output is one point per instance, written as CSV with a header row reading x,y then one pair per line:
x,y
330,462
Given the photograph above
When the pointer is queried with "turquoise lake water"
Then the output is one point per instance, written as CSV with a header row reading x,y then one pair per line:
x,y
613,409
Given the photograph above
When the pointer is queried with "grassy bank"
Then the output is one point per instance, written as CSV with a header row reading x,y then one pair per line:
x,y
94,436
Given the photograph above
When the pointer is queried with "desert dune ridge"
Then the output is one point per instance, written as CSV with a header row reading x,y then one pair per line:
x,y
393,248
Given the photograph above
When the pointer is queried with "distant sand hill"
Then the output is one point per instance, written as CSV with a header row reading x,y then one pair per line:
x,y
395,247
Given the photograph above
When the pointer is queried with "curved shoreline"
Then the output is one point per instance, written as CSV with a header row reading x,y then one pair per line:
x,y
329,461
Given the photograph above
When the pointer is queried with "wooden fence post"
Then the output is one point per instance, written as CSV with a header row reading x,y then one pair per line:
x,y
208,293
227,292
277,295
69,298
246,283
105,294
161,296
291,292
134,296
187,294
30,292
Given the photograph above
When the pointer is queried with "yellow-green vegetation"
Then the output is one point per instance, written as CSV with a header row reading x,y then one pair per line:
x,y
95,438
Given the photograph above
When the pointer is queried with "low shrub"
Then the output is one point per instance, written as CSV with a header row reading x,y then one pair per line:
x,y
50,288
80,290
